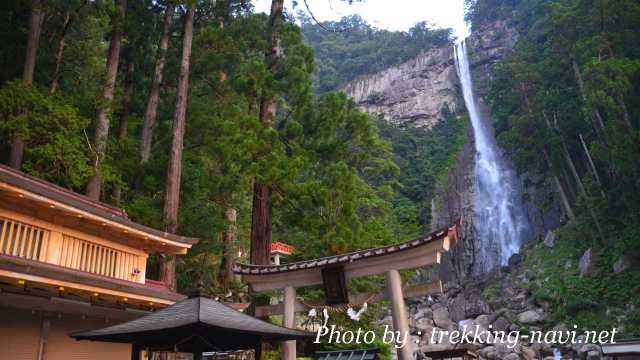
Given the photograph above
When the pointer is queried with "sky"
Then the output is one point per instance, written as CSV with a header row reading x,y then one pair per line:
x,y
386,14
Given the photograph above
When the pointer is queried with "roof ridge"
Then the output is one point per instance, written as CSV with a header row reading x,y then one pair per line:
x,y
54,187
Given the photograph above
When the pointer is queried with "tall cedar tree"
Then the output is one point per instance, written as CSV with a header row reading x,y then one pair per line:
x,y
35,26
262,207
174,170
151,111
230,234
124,116
104,108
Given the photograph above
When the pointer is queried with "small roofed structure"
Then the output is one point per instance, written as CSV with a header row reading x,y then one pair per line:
x,y
280,250
195,325
627,349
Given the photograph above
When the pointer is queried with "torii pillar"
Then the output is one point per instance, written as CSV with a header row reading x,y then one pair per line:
x,y
399,314
289,347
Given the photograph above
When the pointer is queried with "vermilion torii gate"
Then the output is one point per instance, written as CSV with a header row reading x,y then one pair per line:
x,y
333,271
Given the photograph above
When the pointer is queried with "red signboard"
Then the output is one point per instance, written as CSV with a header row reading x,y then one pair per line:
x,y
280,248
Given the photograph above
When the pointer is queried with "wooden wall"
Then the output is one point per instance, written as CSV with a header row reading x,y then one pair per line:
x,y
20,332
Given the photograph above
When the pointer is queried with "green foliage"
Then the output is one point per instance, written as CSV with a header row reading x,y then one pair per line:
x,y
592,302
52,131
351,47
424,157
479,12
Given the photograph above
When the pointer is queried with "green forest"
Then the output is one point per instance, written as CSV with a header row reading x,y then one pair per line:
x,y
193,118
210,120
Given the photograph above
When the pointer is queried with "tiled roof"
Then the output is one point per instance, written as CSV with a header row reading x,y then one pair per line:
x,y
249,269
51,191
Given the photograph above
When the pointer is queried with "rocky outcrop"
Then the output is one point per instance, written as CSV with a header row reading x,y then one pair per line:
x,y
488,45
498,302
412,93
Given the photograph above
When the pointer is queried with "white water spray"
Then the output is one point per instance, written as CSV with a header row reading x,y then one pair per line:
x,y
500,221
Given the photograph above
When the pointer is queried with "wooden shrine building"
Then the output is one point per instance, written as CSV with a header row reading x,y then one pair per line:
x,y
334,271
68,263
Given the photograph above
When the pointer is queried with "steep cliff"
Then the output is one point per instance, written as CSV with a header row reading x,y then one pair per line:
x,y
412,93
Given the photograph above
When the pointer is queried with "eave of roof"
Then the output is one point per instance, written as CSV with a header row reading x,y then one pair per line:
x,y
250,269
104,211
192,312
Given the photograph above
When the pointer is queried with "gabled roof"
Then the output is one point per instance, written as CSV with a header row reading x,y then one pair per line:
x,y
196,323
38,187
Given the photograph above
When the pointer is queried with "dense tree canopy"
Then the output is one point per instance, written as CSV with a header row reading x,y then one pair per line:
x,y
334,179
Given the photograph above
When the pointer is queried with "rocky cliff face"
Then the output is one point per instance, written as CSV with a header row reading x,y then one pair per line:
x,y
412,93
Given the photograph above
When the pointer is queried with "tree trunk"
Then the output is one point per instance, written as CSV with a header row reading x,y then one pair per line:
x,y
35,27
261,225
591,164
261,214
174,170
104,108
55,82
556,180
598,117
124,119
151,110
625,114
229,238
126,101
230,235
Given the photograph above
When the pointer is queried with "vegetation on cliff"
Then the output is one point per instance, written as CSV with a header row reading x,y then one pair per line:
x,y
351,47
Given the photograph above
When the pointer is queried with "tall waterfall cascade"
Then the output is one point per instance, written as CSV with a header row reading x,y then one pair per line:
x,y
500,220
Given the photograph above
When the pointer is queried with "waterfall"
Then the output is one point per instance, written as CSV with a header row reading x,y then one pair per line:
x,y
500,221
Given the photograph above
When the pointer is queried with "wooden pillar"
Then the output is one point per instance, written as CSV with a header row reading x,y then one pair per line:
x,y
289,347
257,355
44,337
399,313
135,352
